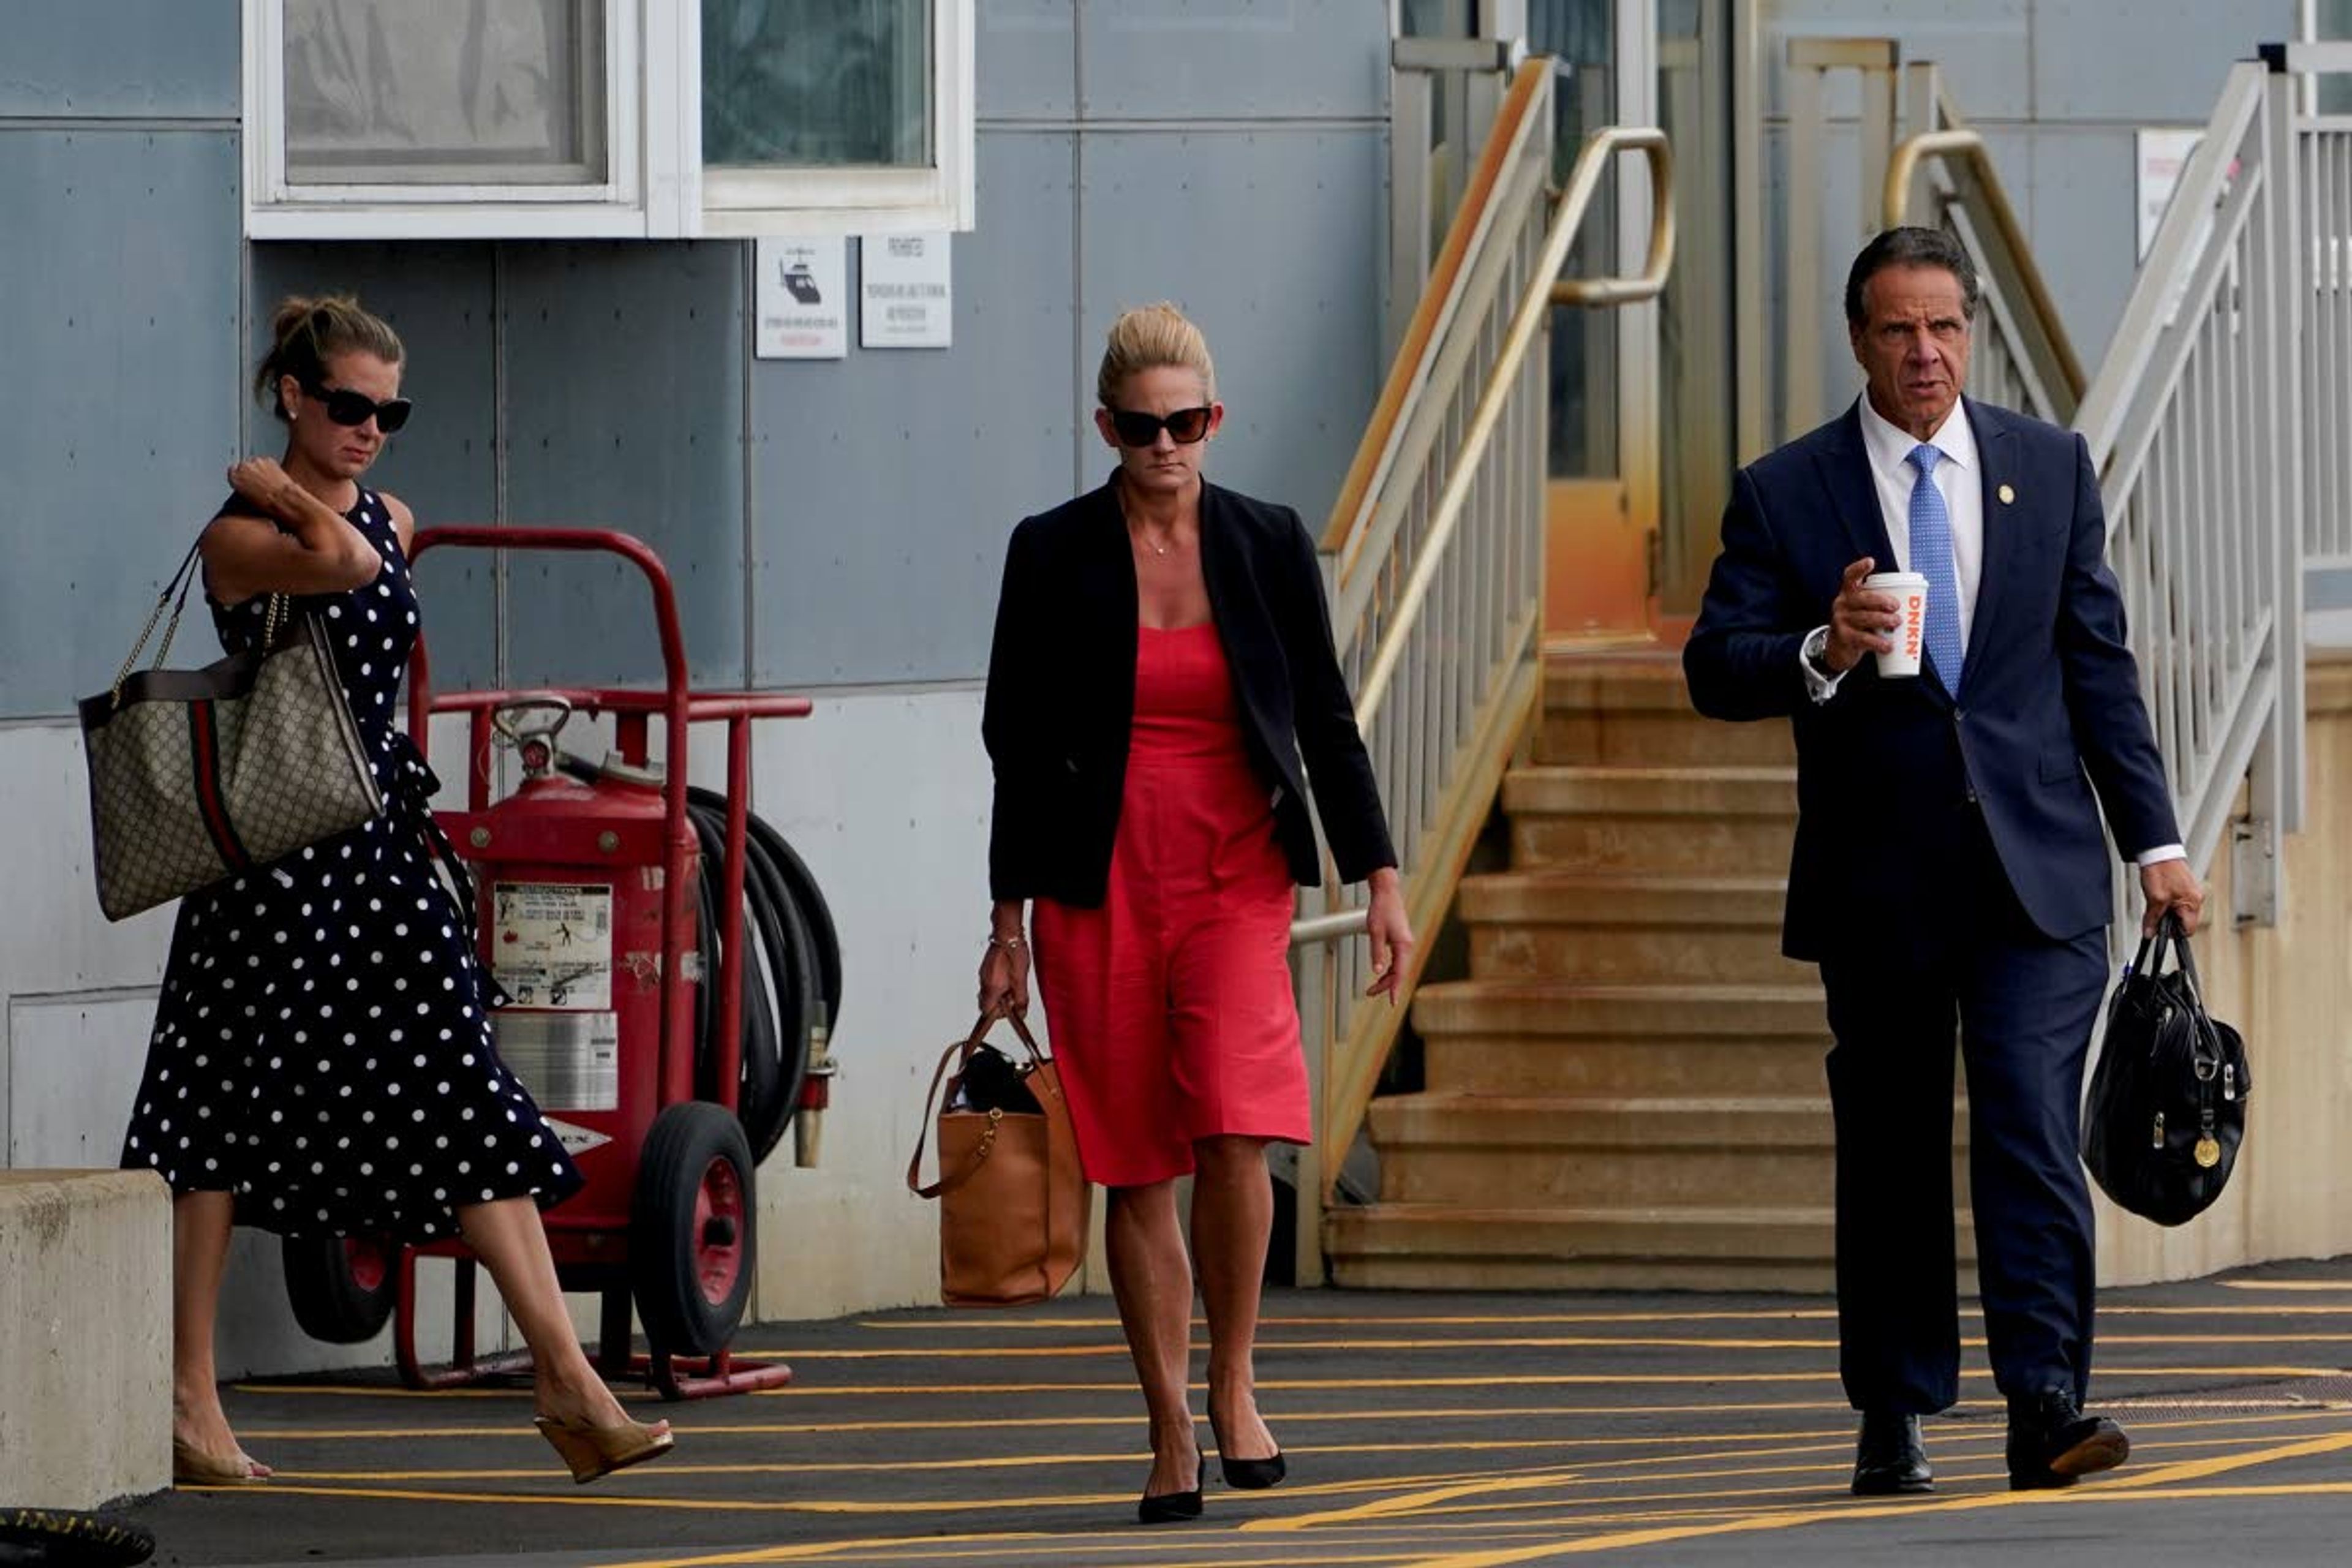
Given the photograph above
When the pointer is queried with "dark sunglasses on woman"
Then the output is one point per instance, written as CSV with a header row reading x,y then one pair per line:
x,y
345,406
1137,429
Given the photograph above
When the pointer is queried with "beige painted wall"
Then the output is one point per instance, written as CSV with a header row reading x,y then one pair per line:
x,y
2289,989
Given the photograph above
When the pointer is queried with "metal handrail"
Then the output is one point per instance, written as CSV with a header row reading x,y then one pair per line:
x,y
1434,559
1592,163
2181,242
1448,279
2195,427
1599,148
1958,144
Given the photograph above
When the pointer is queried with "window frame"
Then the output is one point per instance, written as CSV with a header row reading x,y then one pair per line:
x,y
656,187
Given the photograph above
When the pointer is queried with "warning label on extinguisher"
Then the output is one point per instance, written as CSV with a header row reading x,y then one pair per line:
x,y
553,944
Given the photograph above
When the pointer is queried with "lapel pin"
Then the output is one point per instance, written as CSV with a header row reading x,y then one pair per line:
x,y
2007,495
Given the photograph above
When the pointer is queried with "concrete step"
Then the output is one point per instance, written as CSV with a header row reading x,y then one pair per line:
x,y
1408,1247
1635,709
1523,1037
1694,821
1727,1153
1625,928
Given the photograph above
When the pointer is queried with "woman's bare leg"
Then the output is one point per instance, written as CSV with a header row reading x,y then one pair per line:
x,y
1233,1215
200,1234
508,1238
1152,1280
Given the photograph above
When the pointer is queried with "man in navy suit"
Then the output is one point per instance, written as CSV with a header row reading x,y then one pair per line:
x,y
1948,872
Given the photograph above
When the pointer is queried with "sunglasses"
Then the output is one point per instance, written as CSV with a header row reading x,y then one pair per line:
x,y
345,406
1137,429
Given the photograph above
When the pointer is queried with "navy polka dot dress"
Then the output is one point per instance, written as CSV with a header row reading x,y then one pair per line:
x,y
322,1044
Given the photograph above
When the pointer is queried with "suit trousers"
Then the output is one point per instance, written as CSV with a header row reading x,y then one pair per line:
x,y
1966,961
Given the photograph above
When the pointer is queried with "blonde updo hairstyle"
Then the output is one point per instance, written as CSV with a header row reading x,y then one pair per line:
x,y
306,332
1152,336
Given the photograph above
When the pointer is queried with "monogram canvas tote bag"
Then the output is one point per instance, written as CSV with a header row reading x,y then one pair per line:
x,y
196,774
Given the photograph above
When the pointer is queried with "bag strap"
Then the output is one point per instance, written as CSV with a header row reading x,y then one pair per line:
x,y
279,613
182,581
959,1053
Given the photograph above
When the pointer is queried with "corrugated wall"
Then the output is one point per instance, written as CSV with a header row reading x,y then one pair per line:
x,y
2059,88
1231,157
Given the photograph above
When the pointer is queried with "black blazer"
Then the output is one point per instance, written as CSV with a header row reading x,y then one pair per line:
x,y
1061,693
2046,729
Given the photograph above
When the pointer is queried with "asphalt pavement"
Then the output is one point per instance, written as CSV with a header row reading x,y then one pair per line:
x,y
1422,1431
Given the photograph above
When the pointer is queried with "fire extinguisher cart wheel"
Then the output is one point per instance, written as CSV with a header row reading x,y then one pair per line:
x,y
641,1052
693,1230
341,1287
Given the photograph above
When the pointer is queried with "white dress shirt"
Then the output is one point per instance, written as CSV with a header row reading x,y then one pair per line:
x,y
1960,477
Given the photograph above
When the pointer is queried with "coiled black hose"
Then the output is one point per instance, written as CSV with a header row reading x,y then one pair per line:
x,y
791,966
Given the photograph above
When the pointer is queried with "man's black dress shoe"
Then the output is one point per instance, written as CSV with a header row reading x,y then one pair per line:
x,y
2051,1443
1889,1460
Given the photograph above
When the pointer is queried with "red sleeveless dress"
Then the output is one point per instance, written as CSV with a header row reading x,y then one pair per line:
x,y
1171,1006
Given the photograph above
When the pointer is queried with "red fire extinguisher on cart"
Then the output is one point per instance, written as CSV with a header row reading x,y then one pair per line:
x,y
611,901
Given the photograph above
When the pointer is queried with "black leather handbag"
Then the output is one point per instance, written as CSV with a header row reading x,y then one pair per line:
x,y
2168,1107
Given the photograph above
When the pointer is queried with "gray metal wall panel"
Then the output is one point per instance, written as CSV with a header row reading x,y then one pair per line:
x,y
2084,224
1193,59
437,297
1270,240
2150,63
885,484
624,391
1027,62
119,309
1985,48
120,57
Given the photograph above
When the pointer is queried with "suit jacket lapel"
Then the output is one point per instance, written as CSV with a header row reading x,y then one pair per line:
x,y
1997,458
1845,464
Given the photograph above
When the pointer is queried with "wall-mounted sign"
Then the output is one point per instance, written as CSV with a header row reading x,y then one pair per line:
x,y
802,296
906,298
2163,154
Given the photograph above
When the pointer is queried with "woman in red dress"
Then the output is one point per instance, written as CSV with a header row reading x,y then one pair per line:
x,y
1162,664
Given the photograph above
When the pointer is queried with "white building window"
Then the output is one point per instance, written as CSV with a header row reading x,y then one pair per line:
x,y
532,119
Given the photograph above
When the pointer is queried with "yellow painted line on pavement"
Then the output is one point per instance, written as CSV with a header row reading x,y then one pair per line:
x,y
1551,1319
1383,1321
1126,1388
1288,1418
2080,1497
1725,1464
1410,1502
1565,1342
1468,1498
2344,1285
2200,1470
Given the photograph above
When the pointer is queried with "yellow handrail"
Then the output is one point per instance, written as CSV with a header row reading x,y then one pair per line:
x,y
1592,163
1442,274
1600,292
1968,148
1357,1051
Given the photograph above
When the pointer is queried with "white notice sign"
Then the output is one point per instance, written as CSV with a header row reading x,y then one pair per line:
x,y
905,299
553,944
2163,153
801,295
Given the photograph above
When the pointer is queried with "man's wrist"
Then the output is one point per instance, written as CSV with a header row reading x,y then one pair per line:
x,y
1816,653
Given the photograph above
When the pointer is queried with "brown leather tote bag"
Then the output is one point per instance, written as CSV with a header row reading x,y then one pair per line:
x,y
1014,1204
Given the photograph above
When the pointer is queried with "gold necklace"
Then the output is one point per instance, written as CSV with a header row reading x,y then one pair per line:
x,y
1142,532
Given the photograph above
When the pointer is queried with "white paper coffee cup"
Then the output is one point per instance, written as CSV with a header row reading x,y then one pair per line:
x,y
1909,591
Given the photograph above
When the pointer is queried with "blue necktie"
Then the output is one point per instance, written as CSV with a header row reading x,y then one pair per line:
x,y
1931,557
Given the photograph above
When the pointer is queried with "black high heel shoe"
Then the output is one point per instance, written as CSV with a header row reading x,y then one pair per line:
x,y
1166,1507
1248,1475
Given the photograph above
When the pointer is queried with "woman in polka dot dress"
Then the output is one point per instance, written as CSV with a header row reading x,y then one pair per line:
x,y
322,1057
